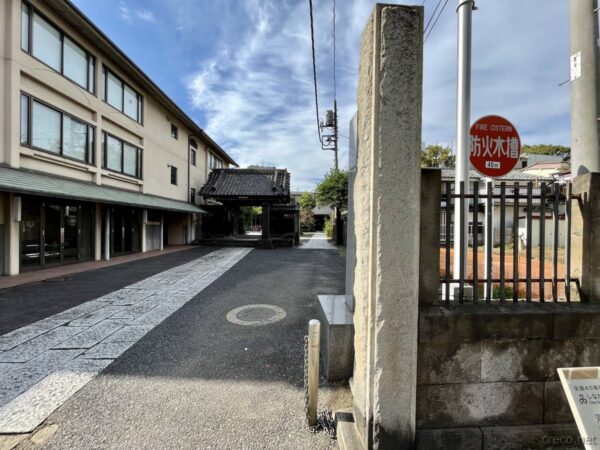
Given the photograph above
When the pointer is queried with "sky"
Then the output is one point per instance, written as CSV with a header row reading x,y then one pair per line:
x,y
242,69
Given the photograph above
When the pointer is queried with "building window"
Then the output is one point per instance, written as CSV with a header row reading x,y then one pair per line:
x,y
193,195
45,42
121,96
214,162
120,156
25,27
174,131
174,175
24,119
51,130
193,157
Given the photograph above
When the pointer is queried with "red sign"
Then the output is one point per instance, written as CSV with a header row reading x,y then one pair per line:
x,y
495,146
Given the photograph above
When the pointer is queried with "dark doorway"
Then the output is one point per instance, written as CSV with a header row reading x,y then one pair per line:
x,y
55,232
126,225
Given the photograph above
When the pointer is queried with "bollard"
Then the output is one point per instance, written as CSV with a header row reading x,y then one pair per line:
x,y
314,335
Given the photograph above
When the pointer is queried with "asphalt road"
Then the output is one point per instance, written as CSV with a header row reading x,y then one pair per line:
x,y
198,381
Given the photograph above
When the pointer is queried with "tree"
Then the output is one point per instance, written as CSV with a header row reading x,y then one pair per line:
x,y
545,149
307,200
333,190
307,218
248,212
437,156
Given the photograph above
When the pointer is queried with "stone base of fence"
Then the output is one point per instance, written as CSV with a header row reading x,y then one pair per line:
x,y
495,366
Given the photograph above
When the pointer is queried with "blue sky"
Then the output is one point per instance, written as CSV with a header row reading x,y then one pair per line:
x,y
242,69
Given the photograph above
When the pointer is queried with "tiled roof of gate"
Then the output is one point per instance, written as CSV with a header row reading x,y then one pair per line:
x,y
35,183
255,183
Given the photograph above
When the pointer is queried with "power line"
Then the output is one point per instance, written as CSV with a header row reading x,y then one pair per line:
x,y
314,62
436,20
432,16
334,81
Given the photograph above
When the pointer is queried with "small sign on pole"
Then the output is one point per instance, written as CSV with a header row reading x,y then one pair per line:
x,y
582,388
495,146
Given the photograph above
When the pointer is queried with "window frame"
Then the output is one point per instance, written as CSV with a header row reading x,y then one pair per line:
x,y
104,95
90,59
172,167
193,195
193,156
174,131
212,158
140,155
91,129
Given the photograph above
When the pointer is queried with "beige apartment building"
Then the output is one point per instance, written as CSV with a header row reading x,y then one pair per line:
x,y
96,161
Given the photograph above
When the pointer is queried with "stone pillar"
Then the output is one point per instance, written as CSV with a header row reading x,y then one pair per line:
x,y
10,75
585,250
350,237
144,230
429,249
266,221
98,232
107,233
387,216
162,231
12,230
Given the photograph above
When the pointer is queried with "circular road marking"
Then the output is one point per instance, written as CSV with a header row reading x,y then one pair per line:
x,y
255,315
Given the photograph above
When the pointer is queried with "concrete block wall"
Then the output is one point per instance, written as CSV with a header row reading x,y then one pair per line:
x,y
486,374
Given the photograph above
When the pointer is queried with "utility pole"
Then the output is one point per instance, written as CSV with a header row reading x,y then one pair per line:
x,y
463,124
335,134
583,24
329,128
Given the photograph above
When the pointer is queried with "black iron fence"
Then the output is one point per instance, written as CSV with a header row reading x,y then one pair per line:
x,y
523,215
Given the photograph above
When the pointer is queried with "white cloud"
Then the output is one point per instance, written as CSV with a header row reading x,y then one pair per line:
x,y
124,12
257,93
145,15
127,14
256,90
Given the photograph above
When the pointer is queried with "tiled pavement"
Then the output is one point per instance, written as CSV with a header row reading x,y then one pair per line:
x,y
46,362
318,241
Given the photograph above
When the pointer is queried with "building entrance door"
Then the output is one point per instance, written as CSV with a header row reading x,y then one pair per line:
x,y
71,233
53,232
125,230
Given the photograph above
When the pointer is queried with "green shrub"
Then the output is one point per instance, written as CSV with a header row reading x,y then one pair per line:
x,y
328,227
508,291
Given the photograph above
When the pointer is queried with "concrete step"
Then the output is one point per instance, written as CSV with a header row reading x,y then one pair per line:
x,y
347,433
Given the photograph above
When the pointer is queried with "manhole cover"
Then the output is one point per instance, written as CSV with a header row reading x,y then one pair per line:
x,y
255,315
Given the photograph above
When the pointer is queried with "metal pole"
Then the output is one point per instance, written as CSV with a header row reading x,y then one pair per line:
x,y
314,335
584,86
463,123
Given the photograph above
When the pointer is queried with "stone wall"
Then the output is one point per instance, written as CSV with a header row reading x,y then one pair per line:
x,y
486,374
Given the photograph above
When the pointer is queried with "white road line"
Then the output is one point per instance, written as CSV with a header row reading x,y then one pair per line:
x,y
42,365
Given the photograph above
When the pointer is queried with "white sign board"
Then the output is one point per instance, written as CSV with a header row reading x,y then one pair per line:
x,y
582,387
575,66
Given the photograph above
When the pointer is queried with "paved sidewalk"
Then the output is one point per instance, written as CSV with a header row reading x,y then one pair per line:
x,y
198,381
318,241
45,363
70,269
